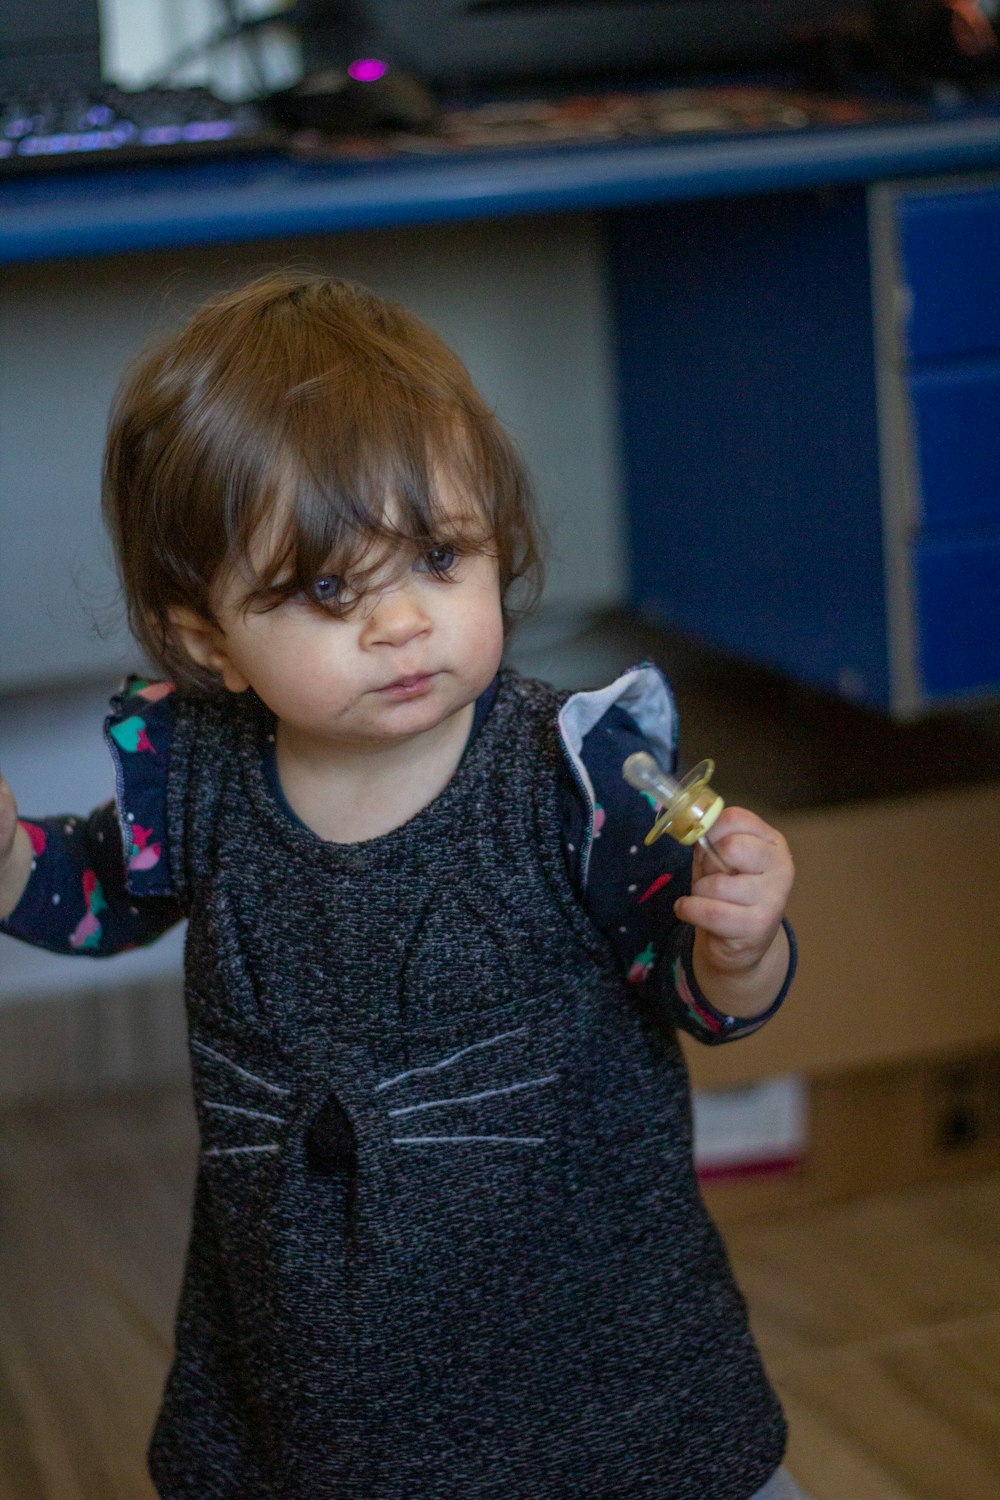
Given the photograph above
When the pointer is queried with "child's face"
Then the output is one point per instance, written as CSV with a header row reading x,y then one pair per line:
x,y
420,645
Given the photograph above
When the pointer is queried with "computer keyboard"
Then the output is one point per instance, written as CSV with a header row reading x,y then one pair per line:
x,y
62,128
113,126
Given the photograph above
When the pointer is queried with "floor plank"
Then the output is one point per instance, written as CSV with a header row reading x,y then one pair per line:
x,y
918,1414
879,1320
842,1273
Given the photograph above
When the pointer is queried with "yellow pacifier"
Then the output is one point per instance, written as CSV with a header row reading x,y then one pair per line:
x,y
687,807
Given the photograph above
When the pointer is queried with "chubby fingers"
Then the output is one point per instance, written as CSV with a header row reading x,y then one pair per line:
x,y
8,817
746,893
746,844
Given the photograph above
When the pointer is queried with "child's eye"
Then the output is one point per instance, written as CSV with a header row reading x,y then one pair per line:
x,y
327,589
438,560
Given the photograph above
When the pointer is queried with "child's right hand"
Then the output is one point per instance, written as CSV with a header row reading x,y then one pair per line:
x,y
8,821
15,852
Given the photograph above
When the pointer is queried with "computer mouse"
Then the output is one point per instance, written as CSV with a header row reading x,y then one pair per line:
x,y
362,99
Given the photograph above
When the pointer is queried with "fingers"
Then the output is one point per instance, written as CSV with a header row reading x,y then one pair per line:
x,y
745,842
751,923
735,855
743,902
738,889
8,818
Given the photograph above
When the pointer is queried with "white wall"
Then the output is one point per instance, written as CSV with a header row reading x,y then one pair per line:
x,y
522,300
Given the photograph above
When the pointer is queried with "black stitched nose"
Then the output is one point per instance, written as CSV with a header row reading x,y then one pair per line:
x,y
330,1145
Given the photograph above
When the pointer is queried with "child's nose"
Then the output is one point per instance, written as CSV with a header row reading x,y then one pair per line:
x,y
397,615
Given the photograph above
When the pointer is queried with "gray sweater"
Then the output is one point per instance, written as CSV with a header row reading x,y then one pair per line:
x,y
447,1240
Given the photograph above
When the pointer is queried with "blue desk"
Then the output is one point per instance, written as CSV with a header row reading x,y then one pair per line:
x,y
145,208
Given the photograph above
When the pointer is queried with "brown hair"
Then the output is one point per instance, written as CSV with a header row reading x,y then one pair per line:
x,y
315,411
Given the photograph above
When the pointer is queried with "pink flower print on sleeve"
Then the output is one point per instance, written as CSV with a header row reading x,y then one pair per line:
x,y
143,855
36,835
641,965
708,1022
152,692
87,932
131,735
658,884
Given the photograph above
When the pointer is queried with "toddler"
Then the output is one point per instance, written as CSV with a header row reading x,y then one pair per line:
x,y
447,1240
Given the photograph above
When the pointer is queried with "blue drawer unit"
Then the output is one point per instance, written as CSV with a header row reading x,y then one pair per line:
x,y
949,358
958,592
750,434
956,411
810,416
950,245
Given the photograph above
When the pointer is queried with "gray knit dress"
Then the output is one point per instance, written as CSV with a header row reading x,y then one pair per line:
x,y
447,1238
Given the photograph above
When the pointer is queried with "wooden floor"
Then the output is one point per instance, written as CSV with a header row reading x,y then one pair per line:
x,y
879,1318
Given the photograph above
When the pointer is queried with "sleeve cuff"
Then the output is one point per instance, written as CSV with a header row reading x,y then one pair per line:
x,y
707,1022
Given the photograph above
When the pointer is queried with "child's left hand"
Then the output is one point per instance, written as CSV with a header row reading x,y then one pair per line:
x,y
741,953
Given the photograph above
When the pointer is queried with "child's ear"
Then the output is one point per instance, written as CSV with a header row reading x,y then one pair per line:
x,y
205,643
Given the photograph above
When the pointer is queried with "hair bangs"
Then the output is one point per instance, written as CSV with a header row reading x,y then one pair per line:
x,y
379,465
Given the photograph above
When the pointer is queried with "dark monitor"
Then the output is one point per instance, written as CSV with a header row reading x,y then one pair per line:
x,y
456,44
45,42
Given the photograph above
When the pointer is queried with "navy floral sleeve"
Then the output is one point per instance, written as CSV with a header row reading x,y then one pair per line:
x,y
628,886
100,885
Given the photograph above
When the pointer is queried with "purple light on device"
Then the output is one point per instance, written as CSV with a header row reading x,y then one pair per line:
x,y
367,69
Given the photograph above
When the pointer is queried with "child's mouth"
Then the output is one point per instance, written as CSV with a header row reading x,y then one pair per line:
x,y
409,687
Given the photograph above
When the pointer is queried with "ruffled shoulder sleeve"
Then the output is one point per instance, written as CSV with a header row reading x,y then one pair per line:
x,y
139,732
598,730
